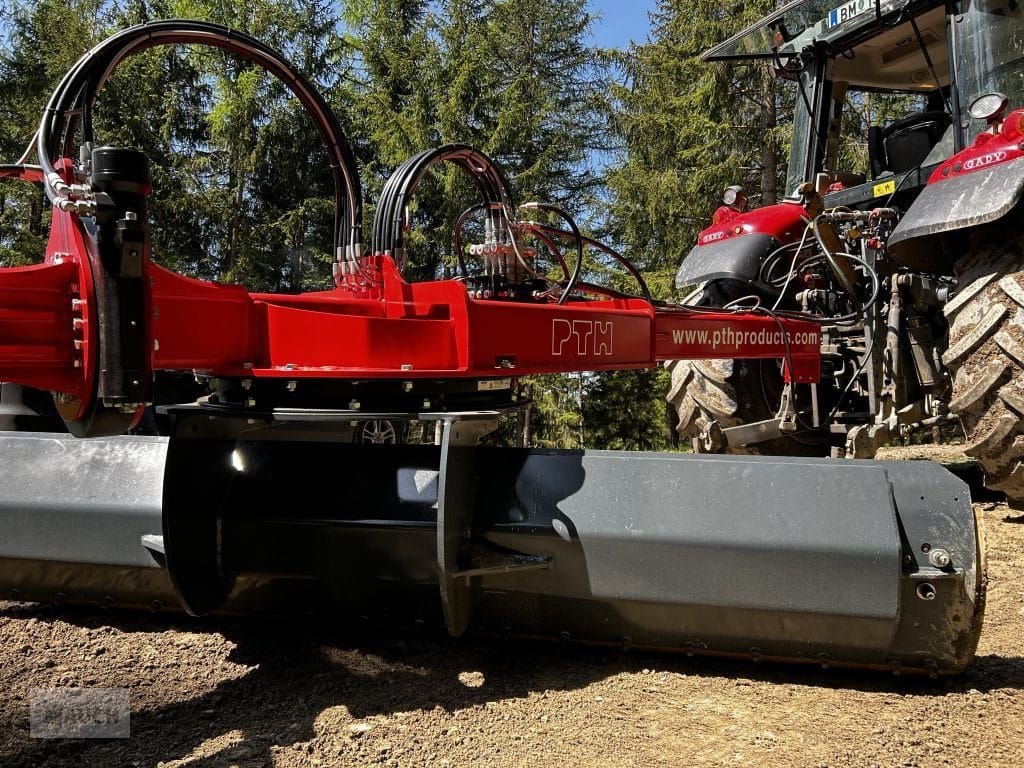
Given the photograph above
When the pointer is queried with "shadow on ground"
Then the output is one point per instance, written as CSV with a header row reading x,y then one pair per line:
x,y
300,670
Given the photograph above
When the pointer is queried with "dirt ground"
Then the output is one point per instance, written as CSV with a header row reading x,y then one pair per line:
x,y
246,694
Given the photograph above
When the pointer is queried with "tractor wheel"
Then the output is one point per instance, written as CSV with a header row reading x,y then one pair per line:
x,y
986,355
731,392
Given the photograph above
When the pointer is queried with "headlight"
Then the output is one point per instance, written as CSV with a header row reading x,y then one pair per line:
x,y
988,106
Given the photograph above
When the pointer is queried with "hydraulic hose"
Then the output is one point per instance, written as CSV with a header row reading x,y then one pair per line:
x,y
82,84
491,184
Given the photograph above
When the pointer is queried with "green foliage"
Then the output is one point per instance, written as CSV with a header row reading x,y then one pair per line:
x,y
42,40
689,129
625,410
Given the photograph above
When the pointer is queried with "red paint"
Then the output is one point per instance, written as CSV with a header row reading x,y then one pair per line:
x,y
783,221
988,150
384,328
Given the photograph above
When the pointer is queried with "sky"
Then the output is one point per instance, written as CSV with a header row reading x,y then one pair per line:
x,y
621,21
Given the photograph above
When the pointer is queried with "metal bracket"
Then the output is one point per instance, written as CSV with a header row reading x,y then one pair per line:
x,y
755,432
455,496
484,561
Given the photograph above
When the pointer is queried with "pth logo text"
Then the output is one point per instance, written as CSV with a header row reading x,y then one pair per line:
x,y
581,337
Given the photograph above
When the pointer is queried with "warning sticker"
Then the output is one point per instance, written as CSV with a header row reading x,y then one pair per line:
x,y
885,188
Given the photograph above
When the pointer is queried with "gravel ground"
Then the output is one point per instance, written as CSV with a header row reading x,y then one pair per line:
x,y
246,694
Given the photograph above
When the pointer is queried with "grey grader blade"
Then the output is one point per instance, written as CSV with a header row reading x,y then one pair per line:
x,y
873,564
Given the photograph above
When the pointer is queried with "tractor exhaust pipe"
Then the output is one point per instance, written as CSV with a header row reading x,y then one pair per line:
x,y
854,563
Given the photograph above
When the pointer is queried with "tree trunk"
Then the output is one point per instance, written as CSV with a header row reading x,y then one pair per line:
x,y
769,153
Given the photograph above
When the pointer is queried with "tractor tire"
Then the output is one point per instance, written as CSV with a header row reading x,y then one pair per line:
x,y
986,354
730,392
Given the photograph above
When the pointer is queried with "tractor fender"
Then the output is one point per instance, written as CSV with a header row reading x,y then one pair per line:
x,y
736,248
738,259
960,194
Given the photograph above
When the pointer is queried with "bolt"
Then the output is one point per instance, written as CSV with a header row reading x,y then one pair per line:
x,y
131,216
406,366
426,403
250,402
291,386
247,384
354,405
939,558
156,345
407,386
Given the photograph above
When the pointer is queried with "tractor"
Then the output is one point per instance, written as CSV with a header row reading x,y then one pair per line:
x,y
902,241
259,500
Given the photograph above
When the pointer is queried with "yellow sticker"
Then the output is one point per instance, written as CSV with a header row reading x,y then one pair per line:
x,y
885,188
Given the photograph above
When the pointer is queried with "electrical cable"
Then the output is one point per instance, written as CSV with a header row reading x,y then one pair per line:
x,y
792,269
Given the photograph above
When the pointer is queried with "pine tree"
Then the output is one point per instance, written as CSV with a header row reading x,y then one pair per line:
x,y
522,83
689,129
41,40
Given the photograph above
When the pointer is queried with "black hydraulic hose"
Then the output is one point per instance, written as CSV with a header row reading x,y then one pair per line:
x,y
550,245
853,317
457,234
578,267
626,263
491,185
83,82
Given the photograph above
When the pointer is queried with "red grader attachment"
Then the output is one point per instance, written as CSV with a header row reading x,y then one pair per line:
x,y
259,501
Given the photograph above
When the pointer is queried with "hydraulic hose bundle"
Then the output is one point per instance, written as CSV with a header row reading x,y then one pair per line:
x,y
390,221
70,109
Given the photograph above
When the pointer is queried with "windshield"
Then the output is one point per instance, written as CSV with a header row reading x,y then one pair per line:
x,y
801,23
990,53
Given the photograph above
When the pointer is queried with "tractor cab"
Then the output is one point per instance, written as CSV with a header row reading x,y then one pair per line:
x,y
884,87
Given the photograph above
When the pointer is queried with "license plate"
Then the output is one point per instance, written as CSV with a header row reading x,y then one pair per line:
x,y
847,11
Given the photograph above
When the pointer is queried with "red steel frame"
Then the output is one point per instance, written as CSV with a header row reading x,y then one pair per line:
x,y
389,330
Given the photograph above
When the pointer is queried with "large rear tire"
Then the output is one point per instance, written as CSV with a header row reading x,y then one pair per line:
x,y
730,392
986,354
